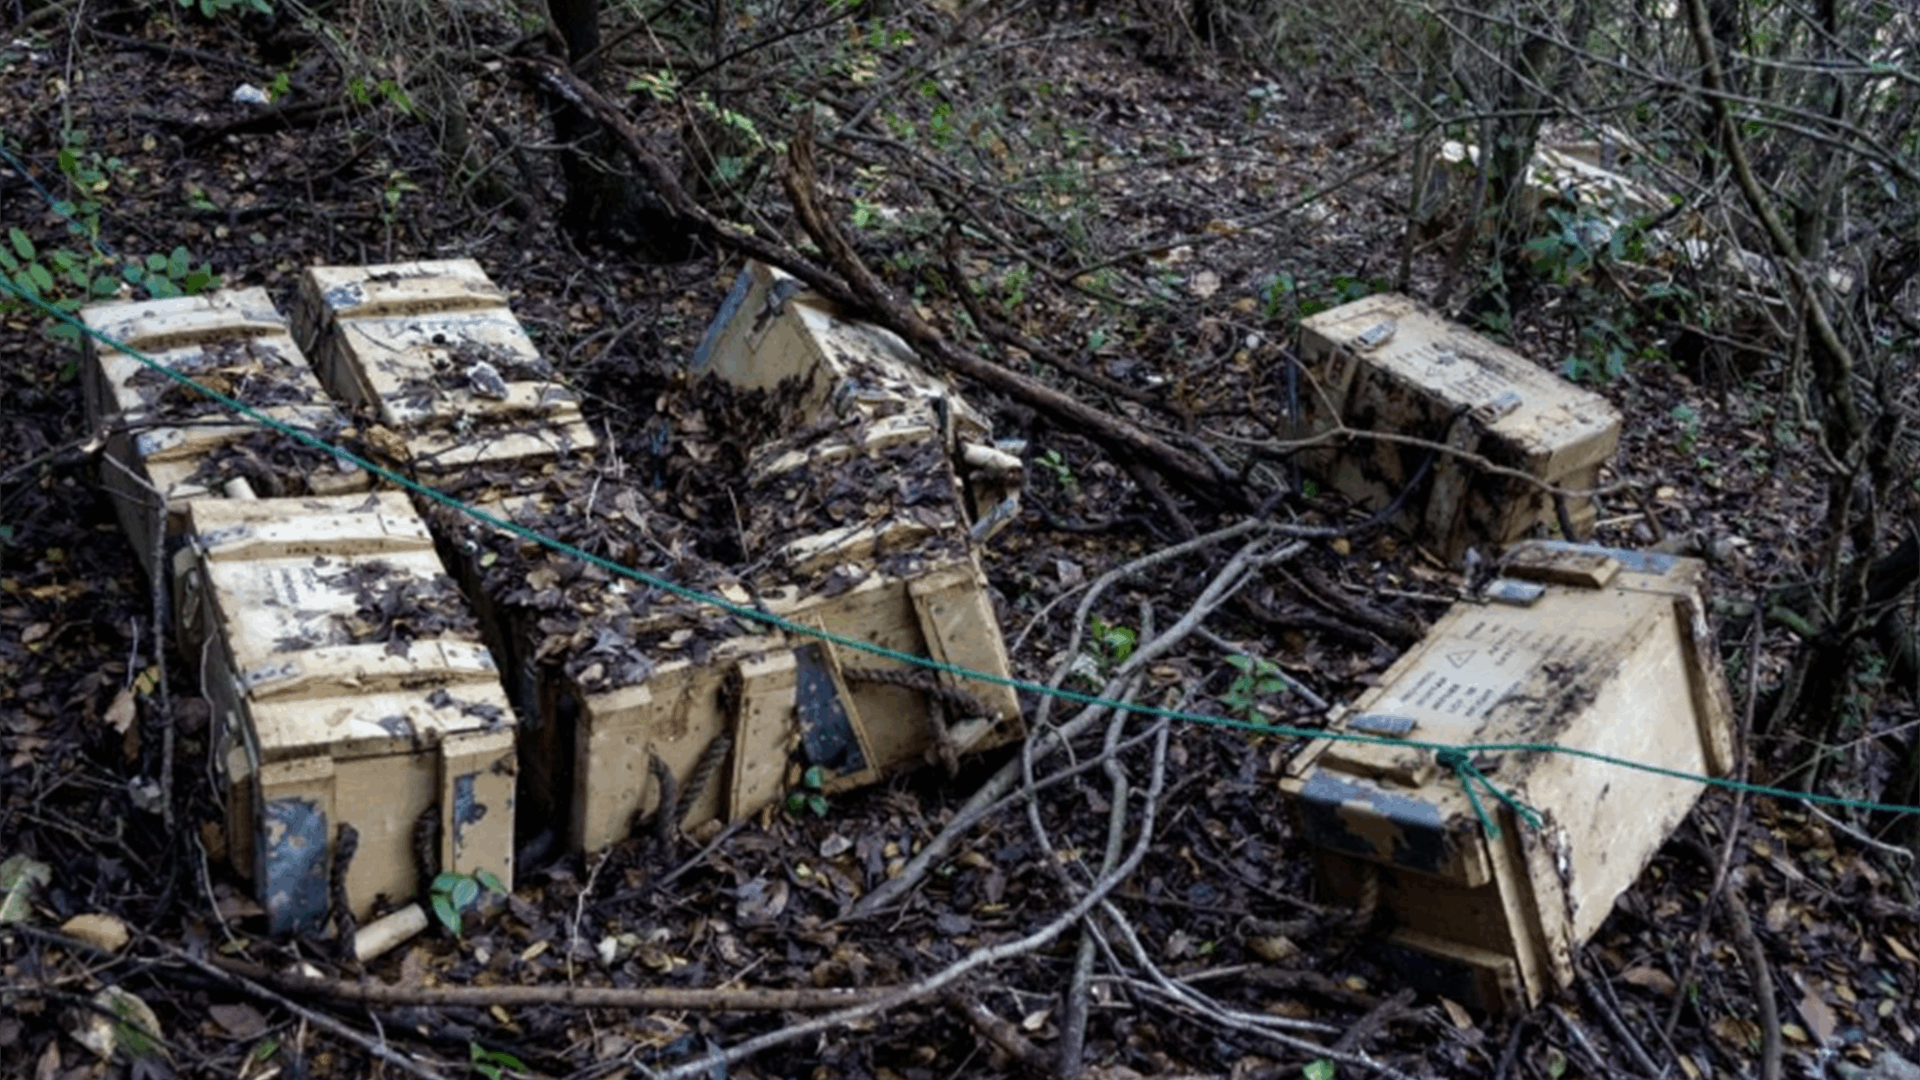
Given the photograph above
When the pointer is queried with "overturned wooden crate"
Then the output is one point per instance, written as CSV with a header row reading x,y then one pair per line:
x,y
612,674
432,350
167,444
771,332
1389,364
350,688
1577,647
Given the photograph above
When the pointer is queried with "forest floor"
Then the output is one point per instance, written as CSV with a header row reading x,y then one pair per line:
x,y
1225,202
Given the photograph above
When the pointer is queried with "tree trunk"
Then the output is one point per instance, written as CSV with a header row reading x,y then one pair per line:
x,y
605,204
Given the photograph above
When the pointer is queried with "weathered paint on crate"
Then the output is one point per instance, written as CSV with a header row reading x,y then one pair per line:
x,y
166,441
434,351
1589,648
1387,363
349,685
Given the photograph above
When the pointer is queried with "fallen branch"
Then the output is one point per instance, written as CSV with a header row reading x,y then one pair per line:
x,y
716,1063
679,999
867,296
1046,741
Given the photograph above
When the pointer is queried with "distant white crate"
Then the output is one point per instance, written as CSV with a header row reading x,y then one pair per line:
x,y
168,441
1580,647
433,349
350,686
1388,363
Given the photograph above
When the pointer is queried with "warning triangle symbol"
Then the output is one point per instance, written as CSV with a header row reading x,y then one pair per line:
x,y
1460,658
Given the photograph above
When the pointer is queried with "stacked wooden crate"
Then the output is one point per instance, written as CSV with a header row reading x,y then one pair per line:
x,y
167,444
349,682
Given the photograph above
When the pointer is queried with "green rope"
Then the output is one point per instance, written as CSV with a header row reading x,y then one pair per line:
x,y
1461,762
1468,776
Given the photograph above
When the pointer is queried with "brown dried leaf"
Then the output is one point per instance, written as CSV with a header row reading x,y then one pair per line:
x,y
1648,978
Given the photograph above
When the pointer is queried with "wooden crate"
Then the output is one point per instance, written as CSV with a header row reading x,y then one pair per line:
x,y
771,329
1582,647
350,685
169,444
606,672
609,673
434,352
858,531
1387,363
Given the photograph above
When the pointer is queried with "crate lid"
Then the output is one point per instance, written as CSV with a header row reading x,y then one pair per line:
x,y
337,624
771,328
1559,426
398,290
232,342
435,348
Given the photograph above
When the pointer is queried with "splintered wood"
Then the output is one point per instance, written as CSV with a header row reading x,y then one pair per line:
x,y
1578,647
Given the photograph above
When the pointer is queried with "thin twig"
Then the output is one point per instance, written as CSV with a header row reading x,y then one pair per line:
x,y
720,1060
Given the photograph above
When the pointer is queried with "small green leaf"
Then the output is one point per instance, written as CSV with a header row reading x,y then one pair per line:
x,y
21,243
41,278
1319,1069
446,882
818,804
449,918
491,881
815,777
465,893
177,263
8,263
1244,663
156,264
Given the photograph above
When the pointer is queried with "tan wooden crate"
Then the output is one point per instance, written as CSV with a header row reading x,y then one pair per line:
x,y
858,531
1584,648
771,328
169,443
1387,363
350,686
435,352
610,673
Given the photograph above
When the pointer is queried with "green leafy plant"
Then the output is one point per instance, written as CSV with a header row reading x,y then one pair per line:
x,y
811,795
494,1064
1257,678
1111,644
213,8
67,277
1319,1069
454,894
1689,421
1056,466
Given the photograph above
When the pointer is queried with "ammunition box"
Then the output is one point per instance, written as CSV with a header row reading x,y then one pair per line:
x,y
436,355
771,328
1579,648
1388,364
167,442
350,687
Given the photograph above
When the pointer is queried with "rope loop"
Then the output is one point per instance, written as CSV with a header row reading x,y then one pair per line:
x,y
1461,763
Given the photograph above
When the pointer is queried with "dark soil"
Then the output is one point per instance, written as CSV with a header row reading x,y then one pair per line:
x,y
94,707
